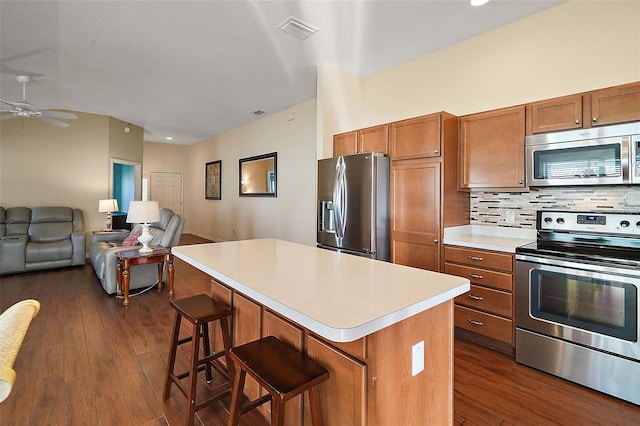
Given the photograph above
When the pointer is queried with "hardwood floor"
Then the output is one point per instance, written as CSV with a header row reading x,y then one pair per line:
x,y
88,361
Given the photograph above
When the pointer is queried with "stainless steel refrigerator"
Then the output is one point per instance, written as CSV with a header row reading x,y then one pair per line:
x,y
353,205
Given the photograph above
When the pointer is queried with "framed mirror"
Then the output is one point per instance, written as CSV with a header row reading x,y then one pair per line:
x,y
259,175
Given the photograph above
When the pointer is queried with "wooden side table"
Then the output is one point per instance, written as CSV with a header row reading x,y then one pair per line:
x,y
127,259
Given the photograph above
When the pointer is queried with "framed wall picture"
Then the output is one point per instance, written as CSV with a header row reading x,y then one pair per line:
x,y
212,180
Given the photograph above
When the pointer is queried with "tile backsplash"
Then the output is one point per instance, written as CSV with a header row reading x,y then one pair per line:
x,y
518,210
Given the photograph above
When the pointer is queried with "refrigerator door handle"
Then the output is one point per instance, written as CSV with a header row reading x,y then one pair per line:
x,y
340,199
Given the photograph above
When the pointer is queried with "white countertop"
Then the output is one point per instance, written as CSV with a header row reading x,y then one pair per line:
x,y
489,237
340,297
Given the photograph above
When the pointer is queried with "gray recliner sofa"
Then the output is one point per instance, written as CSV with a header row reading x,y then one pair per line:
x,y
105,247
39,238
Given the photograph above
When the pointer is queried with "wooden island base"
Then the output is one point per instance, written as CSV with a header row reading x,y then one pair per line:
x,y
359,318
370,380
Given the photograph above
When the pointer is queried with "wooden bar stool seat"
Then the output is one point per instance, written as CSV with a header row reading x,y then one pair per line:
x,y
282,371
199,310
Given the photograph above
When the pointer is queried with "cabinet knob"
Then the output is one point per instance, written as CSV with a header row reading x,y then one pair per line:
x,y
437,151
476,258
472,297
577,121
436,241
520,181
476,323
595,119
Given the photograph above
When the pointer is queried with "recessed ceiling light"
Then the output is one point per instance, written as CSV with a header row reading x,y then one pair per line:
x,y
169,138
297,28
479,2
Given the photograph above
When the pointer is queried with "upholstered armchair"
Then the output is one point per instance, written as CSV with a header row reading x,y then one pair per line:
x,y
105,247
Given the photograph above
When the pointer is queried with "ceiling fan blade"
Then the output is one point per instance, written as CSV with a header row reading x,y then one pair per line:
x,y
11,104
54,121
59,114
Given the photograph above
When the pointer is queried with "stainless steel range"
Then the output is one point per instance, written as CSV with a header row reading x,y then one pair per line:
x,y
577,299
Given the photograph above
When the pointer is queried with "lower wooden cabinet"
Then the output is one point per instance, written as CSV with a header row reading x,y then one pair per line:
x,y
486,311
415,214
223,294
247,320
343,396
274,325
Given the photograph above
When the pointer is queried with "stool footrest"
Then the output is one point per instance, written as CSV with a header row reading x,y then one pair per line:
x,y
255,403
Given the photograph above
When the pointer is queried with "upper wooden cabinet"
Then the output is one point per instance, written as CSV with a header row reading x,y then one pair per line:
x,y
371,139
617,104
556,114
374,139
492,149
345,143
416,137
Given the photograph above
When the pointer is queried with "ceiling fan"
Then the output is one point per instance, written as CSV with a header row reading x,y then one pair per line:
x,y
24,109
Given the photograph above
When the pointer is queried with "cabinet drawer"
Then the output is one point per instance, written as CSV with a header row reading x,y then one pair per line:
x,y
486,299
485,277
482,258
489,325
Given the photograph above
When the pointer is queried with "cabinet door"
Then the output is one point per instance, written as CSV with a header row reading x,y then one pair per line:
x,y
275,325
492,149
615,104
343,396
415,138
374,139
247,328
345,143
415,214
223,294
556,114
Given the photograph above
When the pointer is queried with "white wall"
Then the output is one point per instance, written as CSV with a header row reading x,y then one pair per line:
x,y
290,215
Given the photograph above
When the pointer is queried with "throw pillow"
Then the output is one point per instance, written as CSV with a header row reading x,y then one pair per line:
x,y
131,240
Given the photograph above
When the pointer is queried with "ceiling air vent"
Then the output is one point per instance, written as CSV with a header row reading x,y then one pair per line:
x,y
257,111
297,28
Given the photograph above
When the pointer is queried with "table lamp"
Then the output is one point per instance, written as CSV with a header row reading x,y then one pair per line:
x,y
108,206
144,213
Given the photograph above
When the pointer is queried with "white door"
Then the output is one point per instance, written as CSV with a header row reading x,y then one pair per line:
x,y
166,189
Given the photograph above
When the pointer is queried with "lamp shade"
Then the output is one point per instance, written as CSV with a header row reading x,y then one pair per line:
x,y
108,206
143,212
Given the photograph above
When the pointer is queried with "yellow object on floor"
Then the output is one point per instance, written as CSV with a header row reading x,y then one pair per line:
x,y
14,323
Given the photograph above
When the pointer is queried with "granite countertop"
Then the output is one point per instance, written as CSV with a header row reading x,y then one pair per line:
x,y
340,297
485,237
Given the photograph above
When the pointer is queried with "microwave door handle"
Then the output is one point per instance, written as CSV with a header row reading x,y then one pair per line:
x,y
625,158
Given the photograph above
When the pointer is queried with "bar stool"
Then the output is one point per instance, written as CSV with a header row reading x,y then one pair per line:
x,y
282,371
199,310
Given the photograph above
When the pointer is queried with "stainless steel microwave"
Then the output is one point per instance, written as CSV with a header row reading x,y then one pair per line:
x,y
608,155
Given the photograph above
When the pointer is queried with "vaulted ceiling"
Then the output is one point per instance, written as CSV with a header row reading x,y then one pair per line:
x,y
194,69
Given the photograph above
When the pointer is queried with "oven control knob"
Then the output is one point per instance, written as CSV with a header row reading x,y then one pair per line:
x,y
638,224
560,220
548,220
624,223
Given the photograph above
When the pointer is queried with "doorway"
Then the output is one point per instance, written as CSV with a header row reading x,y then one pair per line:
x,y
126,182
166,189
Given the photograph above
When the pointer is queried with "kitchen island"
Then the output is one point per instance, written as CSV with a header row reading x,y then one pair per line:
x,y
359,317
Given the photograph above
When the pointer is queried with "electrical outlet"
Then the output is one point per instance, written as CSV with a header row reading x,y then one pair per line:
x,y
510,216
417,358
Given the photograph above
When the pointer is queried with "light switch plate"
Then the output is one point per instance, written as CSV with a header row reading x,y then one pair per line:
x,y
417,358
